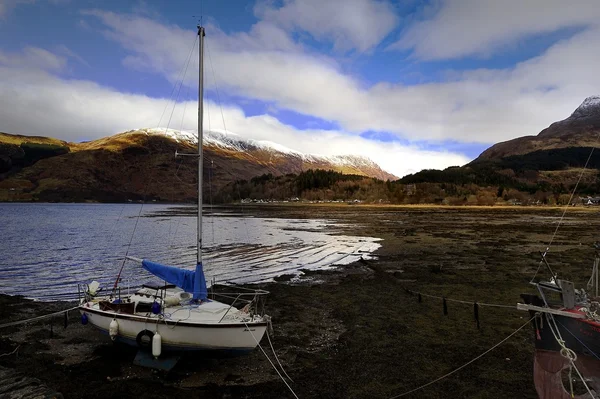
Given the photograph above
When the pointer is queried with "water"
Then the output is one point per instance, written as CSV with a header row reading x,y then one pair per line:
x,y
47,249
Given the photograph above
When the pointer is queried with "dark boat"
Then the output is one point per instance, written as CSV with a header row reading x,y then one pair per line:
x,y
566,326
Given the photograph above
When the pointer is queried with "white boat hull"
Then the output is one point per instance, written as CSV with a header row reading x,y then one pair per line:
x,y
180,335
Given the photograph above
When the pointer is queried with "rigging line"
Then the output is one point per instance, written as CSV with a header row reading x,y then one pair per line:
x,y
269,359
212,216
180,85
581,342
225,128
466,364
567,206
179,165
212,223
216,88
175,85
128,247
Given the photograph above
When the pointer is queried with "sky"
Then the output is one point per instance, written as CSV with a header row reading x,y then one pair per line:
x,y
410,84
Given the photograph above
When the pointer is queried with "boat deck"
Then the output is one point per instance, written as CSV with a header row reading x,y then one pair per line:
x,y
209,312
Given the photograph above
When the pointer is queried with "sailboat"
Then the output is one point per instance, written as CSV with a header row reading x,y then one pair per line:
x,y
179,314
566,324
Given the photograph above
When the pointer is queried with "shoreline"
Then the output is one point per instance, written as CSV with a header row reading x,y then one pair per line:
x,y
355,331
335,205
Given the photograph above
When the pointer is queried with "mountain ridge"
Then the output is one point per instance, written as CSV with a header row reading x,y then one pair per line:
x,y
140,164
580,129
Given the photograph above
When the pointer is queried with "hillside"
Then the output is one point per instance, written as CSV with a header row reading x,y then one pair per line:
x,y
140,164
581,130
531,169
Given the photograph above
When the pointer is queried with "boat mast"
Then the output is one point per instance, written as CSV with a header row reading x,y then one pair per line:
x,y
200,138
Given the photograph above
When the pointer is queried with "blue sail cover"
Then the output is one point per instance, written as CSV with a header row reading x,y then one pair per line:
x,y
193,282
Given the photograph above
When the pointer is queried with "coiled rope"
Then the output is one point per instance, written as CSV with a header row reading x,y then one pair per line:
x,y
580,341
567,353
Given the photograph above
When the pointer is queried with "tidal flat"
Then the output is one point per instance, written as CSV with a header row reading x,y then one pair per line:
x,y
356,331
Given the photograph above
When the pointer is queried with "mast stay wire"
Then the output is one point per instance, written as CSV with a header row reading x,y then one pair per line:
x,y
565,209
226,132
182,75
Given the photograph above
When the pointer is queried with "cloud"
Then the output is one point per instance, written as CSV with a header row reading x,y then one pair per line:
x,y
348,24
267,64
36,102
155,47
7,5
391,156
33,57
64,50
462,28
483,106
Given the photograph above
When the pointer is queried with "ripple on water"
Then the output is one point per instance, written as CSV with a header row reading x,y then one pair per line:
x,y
51,248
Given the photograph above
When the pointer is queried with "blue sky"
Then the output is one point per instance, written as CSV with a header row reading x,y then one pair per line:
x,y
410,84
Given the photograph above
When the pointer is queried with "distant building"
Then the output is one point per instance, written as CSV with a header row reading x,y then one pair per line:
x,y
590,200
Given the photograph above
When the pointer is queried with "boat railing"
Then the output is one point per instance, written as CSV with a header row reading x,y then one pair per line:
x,y
84,295
250,298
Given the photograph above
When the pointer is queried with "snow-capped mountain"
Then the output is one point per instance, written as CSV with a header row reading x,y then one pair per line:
x,y
581,129
140,165
589,107
272,152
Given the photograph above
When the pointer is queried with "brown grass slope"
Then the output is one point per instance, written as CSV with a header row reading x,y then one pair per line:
x,y
135,166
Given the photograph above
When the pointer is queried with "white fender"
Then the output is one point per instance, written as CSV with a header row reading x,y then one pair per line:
x,y
113,329
156,345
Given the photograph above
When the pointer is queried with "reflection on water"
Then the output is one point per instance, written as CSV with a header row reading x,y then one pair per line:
x,y
46,249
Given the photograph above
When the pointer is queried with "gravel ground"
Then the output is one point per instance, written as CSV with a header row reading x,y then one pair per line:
x,y
358,331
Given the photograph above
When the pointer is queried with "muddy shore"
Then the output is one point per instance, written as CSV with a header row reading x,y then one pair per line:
x,y
356,331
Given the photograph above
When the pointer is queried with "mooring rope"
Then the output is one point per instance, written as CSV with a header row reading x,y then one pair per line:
x,y
566,352
16,323
464,365
269,359
580,341
277,358
10,353
496,305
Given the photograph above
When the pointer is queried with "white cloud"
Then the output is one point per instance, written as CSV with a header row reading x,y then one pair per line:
x,y
348,24
393,157
265,63
480,27
483,106
62,49
33,57
35,102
